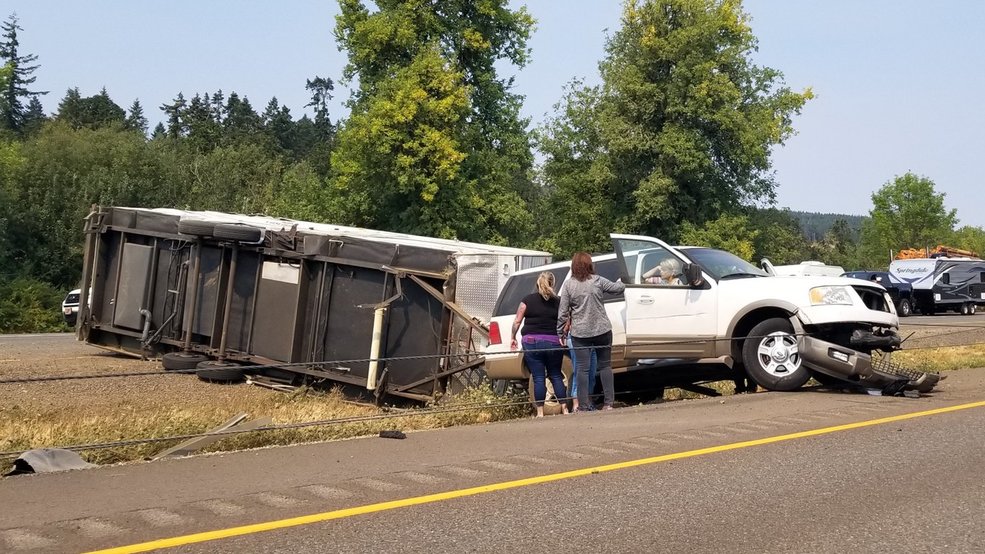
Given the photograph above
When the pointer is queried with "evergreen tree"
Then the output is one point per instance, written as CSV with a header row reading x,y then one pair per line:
x,y
34,117
91,112
204,133
159,131
135,118
175,112
321,92
279,125
218,107
241,121
70,107
13,112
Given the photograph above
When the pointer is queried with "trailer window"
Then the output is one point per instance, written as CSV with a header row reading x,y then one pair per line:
x,y
946,278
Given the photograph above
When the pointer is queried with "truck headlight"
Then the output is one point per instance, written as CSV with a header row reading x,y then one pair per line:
x,y
826,296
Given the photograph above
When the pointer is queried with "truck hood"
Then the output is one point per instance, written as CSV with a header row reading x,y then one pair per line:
x,y
794,293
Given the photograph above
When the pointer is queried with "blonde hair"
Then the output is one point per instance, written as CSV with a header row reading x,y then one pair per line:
x,y
545,285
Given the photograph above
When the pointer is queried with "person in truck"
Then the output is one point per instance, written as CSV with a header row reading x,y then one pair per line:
x,y
542,351
667,272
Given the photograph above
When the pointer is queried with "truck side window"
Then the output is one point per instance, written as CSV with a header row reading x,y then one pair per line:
x,y
610,270
516,288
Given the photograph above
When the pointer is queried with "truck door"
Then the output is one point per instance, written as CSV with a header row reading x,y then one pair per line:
x,y
664,319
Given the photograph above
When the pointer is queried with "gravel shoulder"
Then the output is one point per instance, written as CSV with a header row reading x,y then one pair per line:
x,y
23,356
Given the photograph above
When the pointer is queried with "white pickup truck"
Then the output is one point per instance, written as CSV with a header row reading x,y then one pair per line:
x,y
781,330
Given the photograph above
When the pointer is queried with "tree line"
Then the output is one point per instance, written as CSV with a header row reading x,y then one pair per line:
x,y
674,142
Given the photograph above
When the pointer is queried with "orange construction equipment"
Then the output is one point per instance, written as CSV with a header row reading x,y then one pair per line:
x,y
941,250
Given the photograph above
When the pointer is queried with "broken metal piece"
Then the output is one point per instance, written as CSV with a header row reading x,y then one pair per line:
x,y
212,436
392,434
48,460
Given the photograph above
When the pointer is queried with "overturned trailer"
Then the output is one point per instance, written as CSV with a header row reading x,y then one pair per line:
x,y
397,314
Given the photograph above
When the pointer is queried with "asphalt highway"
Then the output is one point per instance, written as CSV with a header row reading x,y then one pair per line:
x,y
811,471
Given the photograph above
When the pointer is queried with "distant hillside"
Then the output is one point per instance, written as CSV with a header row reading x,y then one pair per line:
x,y
815,225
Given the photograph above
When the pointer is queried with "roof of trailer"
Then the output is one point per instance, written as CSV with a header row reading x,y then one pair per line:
x,y
326,229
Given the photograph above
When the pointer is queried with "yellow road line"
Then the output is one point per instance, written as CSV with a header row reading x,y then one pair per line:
x,y
506,485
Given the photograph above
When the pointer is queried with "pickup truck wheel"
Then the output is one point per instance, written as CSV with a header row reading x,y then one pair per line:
x,y
772,357
905,308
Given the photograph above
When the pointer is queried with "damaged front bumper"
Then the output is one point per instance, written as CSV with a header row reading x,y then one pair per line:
x,y
874,372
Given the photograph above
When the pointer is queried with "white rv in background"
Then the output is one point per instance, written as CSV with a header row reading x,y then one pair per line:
x,y
810,268
943,284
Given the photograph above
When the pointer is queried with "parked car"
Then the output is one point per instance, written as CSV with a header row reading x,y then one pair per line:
x,y
70,307
779,329
900,291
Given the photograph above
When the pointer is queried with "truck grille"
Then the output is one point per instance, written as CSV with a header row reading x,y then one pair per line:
x,y
885,365
874,299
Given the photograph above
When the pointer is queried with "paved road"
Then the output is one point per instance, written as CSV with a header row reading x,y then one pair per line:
x,y
858,489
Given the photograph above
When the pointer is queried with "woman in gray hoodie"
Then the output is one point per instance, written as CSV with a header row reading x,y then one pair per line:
x,y
581,305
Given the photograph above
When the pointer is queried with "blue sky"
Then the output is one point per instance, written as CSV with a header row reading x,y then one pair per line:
x,y
898,82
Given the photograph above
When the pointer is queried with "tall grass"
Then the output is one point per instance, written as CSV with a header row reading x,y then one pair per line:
x,y
22,428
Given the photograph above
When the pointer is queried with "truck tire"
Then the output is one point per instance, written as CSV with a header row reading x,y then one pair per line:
x,y
215,371
905,308
178,361
238,231
196,227
772,357
963,310
972,308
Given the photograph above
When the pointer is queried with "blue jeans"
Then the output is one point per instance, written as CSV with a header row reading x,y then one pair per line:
x,y
601,345
543,359
592,368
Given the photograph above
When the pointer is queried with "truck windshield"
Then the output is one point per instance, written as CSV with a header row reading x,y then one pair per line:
x,y
723,265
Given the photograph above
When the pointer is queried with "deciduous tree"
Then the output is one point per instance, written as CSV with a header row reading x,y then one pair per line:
x,y
907,212
685,119
434,144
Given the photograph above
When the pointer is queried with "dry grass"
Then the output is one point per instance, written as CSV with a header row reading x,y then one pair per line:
x,y
945,358
47,415
22,428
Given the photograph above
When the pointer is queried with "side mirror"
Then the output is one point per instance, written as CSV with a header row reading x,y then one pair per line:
x,y
767,266
692,273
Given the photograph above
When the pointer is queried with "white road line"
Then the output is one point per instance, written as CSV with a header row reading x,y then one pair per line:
x,y
94,528
497,465
461,471
377,484
423,478
275,500
159,518
330,493
220,507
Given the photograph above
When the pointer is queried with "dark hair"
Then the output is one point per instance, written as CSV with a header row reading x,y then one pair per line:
x,y
581,266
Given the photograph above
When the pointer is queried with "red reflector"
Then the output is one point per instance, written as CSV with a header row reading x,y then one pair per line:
x,y
494,336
